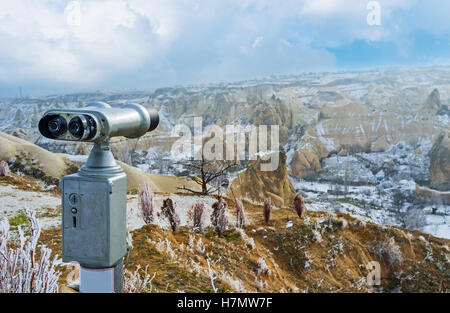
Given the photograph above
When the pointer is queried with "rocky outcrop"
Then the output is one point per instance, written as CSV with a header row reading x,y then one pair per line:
x,y
257,105
308,152
353,128
305,164
440,162
19,117
272,112
256,185
433,102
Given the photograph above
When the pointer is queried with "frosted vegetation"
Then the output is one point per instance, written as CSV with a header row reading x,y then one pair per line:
x,y
21,270
181,206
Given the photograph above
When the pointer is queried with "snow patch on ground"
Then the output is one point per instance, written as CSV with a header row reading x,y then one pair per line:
x,y
367,203
14,200
77,158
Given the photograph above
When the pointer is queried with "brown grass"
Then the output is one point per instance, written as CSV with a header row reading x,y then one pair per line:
x,y
295,261
25,183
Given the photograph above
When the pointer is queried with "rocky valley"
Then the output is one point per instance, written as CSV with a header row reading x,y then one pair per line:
x,y
368,151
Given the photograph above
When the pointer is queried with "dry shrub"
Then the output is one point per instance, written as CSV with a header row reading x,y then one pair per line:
x,y
133,282
261,266
267,209
388,251
168,211
145,200
218,217
123,153
130,246
4,168
241,217
82,149
299,205
195,216
20,272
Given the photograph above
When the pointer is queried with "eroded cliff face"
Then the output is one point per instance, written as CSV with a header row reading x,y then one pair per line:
x,y
255,185
347,128
440,162
355,128
255,105
433,102
341,126
306,151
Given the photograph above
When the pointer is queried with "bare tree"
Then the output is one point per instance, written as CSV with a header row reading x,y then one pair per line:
x,y
212,276
414,218
122,153
204,172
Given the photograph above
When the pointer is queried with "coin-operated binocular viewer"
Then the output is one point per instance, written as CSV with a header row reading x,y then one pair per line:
x,y
94,199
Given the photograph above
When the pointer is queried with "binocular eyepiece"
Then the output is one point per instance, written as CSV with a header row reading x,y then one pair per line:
x,y
97,122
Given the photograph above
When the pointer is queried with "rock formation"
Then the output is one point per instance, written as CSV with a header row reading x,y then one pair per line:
x,y
257,185
308,152
433,102
440,162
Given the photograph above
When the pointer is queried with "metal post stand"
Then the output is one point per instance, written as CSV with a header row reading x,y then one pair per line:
x,y
94,221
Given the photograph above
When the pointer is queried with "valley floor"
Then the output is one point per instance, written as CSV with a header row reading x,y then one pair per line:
x,y
366,203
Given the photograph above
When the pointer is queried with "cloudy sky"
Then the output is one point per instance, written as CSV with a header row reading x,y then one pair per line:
x,y
51,46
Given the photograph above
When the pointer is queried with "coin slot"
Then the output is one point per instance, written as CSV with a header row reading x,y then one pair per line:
x,y
73,198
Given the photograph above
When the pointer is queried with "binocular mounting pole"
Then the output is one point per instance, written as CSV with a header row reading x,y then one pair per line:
x,y
98,241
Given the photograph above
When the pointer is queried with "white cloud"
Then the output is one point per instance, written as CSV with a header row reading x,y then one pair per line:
x,y
112,36
257,41
350,8
327,7
173,41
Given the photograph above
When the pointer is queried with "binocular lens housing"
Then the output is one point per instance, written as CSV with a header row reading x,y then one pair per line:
x,y
98,122
53,126
57,126
83,127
